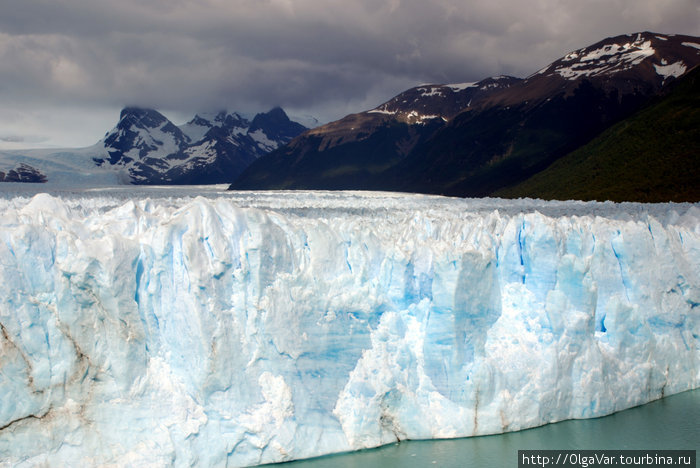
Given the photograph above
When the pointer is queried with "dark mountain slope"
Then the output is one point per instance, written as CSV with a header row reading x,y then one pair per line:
x,y
485,149
653,156
475,139
354,165
355,151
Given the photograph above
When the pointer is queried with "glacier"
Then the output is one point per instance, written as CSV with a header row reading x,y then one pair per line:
x,y
153,327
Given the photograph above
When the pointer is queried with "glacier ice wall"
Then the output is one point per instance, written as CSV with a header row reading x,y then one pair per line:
x,y
249,328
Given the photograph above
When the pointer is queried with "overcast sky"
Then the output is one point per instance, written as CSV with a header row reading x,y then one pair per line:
x,y
67,67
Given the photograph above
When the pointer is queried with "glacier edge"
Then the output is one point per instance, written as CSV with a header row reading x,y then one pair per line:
x,y
241,329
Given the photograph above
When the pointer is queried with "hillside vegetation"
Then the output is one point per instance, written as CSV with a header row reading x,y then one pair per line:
x,y
653,156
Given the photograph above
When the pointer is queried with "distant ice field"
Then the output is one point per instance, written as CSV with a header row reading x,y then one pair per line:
x,y
309,202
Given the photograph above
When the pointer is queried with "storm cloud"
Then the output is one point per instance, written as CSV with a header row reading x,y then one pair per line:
x,y
68,66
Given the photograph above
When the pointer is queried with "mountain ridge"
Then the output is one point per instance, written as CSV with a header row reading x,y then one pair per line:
x,y
472,139
205,150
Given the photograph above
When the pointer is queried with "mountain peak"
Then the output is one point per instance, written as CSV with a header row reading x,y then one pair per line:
x,y
142,114
276,125
207,118
645,53
276,115
201,123
139,133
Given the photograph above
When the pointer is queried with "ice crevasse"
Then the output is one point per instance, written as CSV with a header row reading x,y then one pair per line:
x,y
241,329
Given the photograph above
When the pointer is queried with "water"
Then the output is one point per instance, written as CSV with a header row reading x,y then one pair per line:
x,y
670,423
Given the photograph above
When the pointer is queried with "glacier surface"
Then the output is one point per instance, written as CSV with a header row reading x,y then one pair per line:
x,y
153,328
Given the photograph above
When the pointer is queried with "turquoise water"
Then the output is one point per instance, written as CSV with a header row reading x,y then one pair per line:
x,y
670,423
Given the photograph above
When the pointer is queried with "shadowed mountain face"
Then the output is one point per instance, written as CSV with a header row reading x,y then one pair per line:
x,y
473,139
653,156
22,173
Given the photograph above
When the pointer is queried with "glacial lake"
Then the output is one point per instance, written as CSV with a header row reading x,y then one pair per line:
x,y
670,423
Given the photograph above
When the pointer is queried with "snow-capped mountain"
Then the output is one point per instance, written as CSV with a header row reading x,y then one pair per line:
x,y
472,139
440,101
633,64
655,57
142,134
422,107
523,129
211,148
147,148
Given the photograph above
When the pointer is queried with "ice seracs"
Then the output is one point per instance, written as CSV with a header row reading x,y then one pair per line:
x,y
153,328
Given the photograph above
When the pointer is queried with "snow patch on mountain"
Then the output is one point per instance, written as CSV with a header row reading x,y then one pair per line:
x,y
382,110
196,128
673,70
415,117
605,60
205,152
608,59
432,91
263,141
632,51
166,142
457,87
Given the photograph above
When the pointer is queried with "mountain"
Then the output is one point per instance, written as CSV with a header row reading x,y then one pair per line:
x,y
525,128
147,148
23,173
652,156
352,152
476,139
209,149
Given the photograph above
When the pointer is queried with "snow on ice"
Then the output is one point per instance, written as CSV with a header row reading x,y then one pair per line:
x,y
148,327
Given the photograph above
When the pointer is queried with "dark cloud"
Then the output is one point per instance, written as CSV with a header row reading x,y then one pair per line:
x,y
325,58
